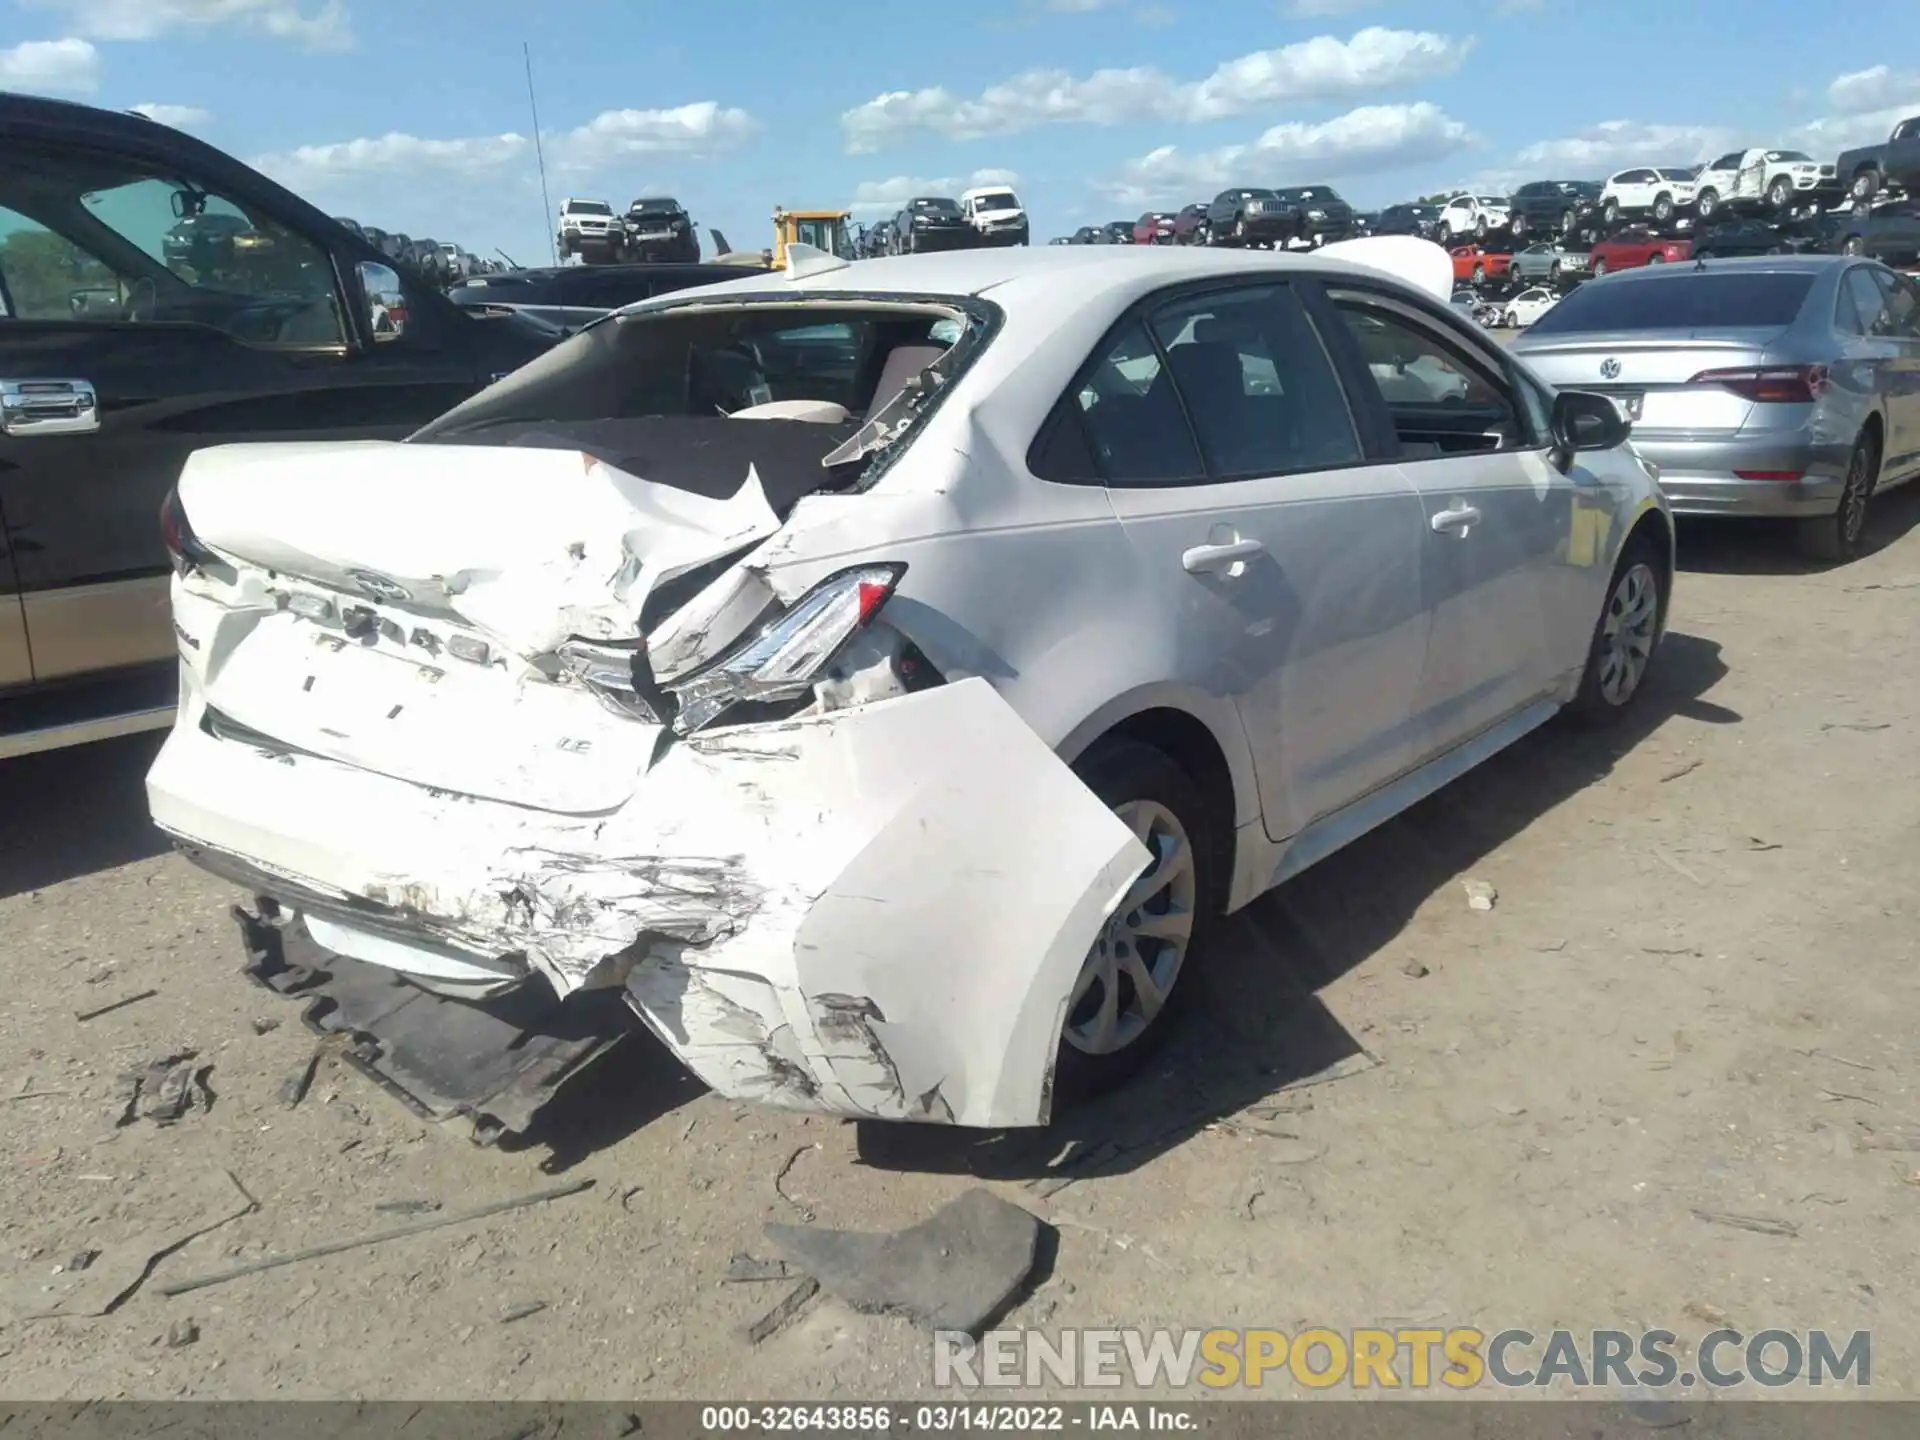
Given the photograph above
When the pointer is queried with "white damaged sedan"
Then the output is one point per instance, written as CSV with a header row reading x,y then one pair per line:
x,y
878,677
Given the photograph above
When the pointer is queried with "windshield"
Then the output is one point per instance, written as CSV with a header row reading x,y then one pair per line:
x,y
1789,155
829,235
1314,192
936,207
1495,200
1694,300
998,200
589,207
1682,174
656,204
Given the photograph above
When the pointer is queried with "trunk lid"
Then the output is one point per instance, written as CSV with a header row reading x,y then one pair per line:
x,y
1655,366
403,604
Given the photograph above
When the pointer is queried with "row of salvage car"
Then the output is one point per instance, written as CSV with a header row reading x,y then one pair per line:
x,y
877,678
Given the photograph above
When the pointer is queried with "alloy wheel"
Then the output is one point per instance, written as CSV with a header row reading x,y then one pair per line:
x,y
1129,974
1627,632
1854,496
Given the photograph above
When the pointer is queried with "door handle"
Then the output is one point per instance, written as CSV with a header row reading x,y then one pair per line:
x,y
1456,519
1219,557
48,407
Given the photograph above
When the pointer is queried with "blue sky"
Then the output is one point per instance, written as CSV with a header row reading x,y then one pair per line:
x,y
414,116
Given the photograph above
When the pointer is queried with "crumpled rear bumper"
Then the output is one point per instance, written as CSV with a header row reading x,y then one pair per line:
x,y
877,912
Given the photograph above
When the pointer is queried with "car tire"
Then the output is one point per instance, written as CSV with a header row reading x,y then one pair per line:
x,y
1663,207
1446,232
1836,538
1706,202
1599,269
1853,245
1479,276
1780,192
1656,258
1518,225
1480,228
1625,636
1866,185
1566,222
1610,212
1553,273
1147,788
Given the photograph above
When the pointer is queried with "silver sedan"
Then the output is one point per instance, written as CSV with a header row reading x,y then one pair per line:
x,y
1774,386
1547,262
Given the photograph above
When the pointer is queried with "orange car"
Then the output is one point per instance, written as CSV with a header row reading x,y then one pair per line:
x,y
1472,265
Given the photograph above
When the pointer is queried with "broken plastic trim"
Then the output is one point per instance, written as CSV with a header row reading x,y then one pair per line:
x,y
789,653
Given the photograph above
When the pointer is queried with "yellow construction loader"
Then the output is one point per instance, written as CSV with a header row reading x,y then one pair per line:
x,y
823,229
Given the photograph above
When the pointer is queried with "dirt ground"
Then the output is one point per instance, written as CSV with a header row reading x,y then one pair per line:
x,y
1695,994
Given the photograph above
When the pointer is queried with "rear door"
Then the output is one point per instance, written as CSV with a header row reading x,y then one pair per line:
x,y
153,315
1496,514
1288,555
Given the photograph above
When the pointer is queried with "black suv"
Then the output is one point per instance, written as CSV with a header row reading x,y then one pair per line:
x,y
932,222
1553,207
659,228
1320,216
157,296
1412,218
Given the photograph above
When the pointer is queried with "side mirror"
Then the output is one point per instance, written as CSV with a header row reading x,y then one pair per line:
x,y
386,301
1584,420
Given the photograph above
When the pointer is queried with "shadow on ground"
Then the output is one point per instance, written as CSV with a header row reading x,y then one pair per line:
x,y
76,811
1766,547
1256,1027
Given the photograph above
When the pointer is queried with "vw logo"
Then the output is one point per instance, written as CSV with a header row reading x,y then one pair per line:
x,y
1610,369
379,586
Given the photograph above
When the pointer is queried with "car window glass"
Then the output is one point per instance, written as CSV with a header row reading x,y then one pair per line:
x,y
1869,301
1436,395
1133,418
51,278
1262,394
1902,314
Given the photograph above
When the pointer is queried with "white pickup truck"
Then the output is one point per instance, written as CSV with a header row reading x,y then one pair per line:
x,y
996,212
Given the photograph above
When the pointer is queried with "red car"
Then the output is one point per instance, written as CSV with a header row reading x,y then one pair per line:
x,y
1154,228
1636,245
1472,265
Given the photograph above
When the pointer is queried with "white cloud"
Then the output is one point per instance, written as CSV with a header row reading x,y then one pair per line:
x,y
1614,144
1080,7
1827,136
317,167
886,196
703,128
1370,139
1322,68
180,117
51,67
325,27
1875,88
1315,9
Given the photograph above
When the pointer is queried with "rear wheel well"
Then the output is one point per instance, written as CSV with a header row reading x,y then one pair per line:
x,y
1190,745
1877,430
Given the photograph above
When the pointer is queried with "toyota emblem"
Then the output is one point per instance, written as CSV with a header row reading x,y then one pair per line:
x,y
1610,369
379,587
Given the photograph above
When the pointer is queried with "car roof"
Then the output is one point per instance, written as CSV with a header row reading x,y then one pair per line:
x,y
986,190
1776,264
1038,276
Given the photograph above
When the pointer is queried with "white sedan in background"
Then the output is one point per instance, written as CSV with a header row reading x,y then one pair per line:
x,y
880,678
1528,306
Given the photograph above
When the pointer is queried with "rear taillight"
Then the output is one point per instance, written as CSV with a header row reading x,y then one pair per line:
x,y
182,544
1773,385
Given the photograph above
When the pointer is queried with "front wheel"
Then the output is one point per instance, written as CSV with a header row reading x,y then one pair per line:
x,y
1480,229
1130,985
1706,202
1656,258
1446,232
1479,275
1625,636
1836,537
1553,273
1610,212
1866,185
1599,269
1780,192
1663,207
1854,245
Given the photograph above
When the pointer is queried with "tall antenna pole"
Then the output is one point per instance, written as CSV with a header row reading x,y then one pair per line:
x,y
546,204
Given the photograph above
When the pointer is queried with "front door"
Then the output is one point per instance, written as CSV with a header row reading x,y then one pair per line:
x,y
1899,324
151,317
1496,515
1289,562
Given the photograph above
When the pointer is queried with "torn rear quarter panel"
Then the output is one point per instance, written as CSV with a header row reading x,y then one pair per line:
x,y
876,912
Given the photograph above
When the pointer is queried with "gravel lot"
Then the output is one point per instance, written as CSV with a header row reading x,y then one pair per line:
x,y
1695,994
